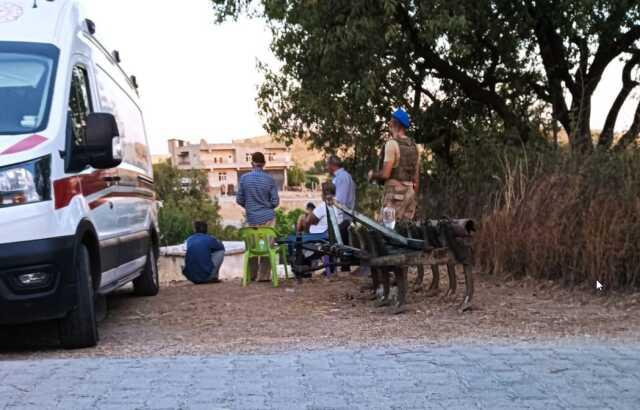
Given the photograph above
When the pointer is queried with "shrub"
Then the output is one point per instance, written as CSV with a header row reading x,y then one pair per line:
x,y
181,205
311,182
547,214
286,221
295,176
574,221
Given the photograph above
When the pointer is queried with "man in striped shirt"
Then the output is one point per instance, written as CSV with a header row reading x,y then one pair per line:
x,y
258,195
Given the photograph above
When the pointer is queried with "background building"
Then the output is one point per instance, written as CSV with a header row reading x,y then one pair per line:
x,y
226,163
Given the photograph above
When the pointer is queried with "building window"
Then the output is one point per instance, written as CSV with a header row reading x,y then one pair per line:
x,y
271,156
222,177
247,157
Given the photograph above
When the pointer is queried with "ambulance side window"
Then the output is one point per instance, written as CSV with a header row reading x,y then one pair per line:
x,y
79,104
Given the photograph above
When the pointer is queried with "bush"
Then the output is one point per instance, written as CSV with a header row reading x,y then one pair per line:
x,y
286,221
546,214
571,221
319,167
181,205
295,176
230,233
175,224
311,182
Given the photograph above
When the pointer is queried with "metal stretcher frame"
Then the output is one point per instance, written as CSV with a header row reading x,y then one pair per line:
x,y
406,251
392,235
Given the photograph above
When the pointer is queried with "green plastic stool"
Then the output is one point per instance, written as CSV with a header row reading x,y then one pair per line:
x,y
259,242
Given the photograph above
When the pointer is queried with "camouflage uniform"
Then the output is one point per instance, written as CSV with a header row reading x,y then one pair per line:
x,y
400,195
399,192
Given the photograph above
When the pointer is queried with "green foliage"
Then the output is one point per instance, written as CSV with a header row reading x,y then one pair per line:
x,y
184,199
175,224
319,167
230,233
286,221
469,186
296,176
369,198
311,182
508,65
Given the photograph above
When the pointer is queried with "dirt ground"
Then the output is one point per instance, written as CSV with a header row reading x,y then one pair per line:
x,y
190,320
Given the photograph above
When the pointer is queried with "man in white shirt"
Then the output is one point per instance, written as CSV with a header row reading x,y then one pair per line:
x,y
317,222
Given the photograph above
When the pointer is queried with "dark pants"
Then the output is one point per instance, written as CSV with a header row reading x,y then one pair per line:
x,y
306,238
344,232
217,258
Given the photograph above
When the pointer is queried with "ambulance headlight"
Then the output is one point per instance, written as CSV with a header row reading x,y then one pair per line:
x,y
25,183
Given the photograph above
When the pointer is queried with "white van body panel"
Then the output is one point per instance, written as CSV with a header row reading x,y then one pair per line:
x,y
119,204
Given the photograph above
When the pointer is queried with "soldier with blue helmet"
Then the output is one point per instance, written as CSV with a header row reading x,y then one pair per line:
x,y
399,172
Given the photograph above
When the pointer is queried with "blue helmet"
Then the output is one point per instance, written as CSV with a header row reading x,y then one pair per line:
x,y
402,117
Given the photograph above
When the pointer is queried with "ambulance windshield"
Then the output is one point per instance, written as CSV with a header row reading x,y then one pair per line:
x,y
26,85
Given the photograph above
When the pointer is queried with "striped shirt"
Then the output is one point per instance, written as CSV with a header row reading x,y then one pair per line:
x,y
258,195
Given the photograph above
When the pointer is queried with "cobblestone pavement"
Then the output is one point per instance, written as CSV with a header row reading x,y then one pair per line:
x,y
533,376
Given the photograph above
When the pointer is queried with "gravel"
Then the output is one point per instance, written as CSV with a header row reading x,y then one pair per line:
x,y
219,318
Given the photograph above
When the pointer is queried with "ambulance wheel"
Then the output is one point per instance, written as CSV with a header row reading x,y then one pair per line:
x,y
148,283
79,329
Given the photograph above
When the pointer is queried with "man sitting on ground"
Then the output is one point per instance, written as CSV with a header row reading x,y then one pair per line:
x,y
205,255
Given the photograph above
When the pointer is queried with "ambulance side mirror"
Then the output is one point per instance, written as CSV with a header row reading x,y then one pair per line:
x,y
103,144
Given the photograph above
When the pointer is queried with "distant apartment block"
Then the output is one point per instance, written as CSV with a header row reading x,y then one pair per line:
x,y
226,163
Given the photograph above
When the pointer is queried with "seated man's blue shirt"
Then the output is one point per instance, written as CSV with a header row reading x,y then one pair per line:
x,y
198,265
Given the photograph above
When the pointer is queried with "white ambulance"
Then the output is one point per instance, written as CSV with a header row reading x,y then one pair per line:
x,y
78,216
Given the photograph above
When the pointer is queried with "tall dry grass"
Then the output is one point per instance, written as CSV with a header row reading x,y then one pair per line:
x,y
556,217
570,220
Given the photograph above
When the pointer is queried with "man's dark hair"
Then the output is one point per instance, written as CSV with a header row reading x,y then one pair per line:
x,y
334,160
200,227
258,158
328,188
311,206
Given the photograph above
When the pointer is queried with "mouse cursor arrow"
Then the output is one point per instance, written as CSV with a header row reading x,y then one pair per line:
x,y
599,286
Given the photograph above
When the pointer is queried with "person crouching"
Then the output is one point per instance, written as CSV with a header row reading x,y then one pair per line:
x,y
204,257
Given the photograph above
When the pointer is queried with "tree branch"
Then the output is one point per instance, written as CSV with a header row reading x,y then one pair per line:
x,y
429,94
555,64
554,55
632,134
517,129
607,51
606,137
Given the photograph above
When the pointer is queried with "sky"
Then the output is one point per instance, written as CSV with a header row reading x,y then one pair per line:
x,y
199,79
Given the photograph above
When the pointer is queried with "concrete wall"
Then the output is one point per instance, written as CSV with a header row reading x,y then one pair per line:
x,y
172,260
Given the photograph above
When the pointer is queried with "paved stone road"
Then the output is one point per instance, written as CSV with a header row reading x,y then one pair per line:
x,y
463,377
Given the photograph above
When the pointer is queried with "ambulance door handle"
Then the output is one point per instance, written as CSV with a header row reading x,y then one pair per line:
x,y
111,180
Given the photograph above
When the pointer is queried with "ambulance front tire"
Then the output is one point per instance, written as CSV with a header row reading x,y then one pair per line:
x,y
148,283
79,329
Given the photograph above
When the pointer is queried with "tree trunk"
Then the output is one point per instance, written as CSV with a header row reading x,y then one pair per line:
x,y
580,139
632,134
606,137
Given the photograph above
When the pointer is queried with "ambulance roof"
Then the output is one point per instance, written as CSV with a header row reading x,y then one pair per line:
x,y
50,21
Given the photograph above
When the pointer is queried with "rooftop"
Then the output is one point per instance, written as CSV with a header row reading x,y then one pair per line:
x,y
46,23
